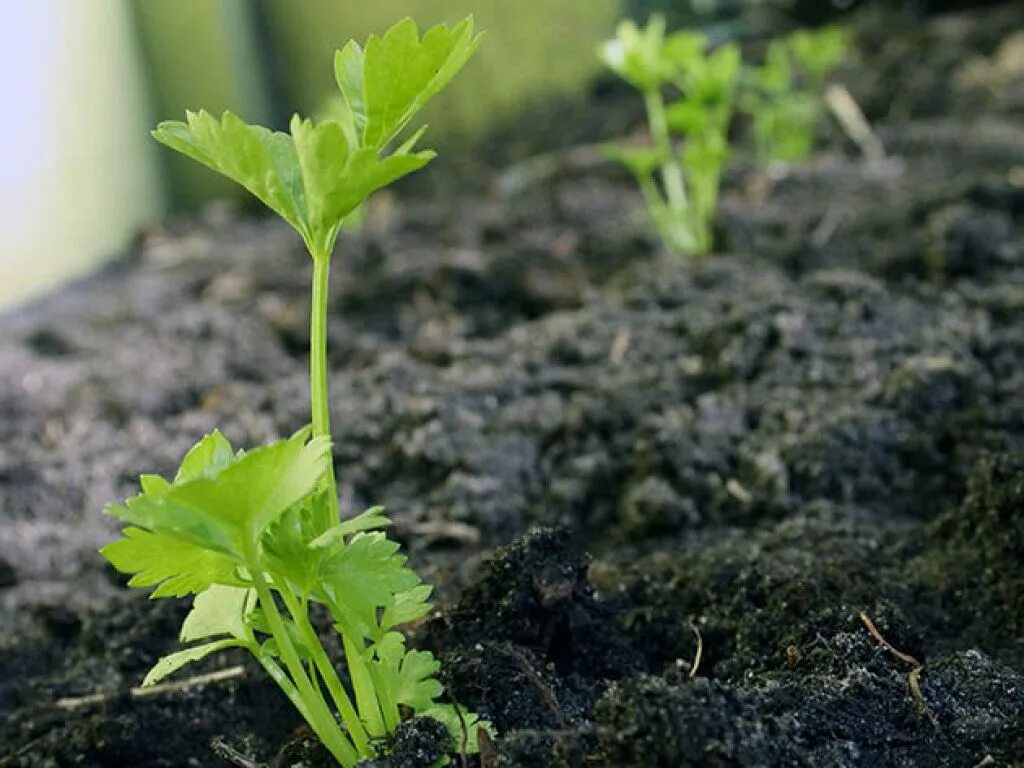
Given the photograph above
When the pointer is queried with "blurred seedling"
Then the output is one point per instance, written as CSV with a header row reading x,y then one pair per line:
x,y
689,94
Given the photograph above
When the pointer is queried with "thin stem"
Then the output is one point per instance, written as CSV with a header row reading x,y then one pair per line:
x,y
318,400
392,715
671,172
366,693
323,665
317,713
318,348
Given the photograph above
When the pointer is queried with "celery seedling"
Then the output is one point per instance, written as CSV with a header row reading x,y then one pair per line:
x,y
680,185
256,536
785,96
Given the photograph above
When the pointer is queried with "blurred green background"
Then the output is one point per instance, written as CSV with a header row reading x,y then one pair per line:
x,y
88,79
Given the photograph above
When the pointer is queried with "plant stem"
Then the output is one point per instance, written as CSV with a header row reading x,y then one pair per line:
x,y
318,400
300,616
671,172
318,714
318,348
366,691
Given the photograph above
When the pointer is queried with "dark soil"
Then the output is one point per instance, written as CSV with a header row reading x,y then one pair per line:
x,y
824,421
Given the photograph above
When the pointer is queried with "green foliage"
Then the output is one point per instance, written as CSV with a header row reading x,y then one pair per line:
x,y
680,186
679,175
318,174
256,536
784,94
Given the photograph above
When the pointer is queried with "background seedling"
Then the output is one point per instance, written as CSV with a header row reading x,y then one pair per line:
x,y
679,183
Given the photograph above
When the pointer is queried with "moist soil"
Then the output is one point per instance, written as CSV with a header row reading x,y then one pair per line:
x,y
764,509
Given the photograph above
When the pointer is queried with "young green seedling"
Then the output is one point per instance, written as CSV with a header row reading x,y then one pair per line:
x,y
680,184
256,536
785,94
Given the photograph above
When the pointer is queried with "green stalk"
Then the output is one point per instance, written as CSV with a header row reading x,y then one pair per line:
x,y
318,350
317,713
392,715
320,406
671,172
300,615
366,693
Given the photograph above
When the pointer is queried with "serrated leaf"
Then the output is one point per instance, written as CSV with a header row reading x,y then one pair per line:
x,y
289,542
323,152
361,577
176,567
409,675
348,73
154,485
338,178
386,83
262,161
369,520
407,606
219,610
170,664
229,512
206,458
223,515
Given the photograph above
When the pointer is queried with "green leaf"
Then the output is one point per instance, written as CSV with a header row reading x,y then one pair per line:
x,y
642,162
639,56
172,663
685,49
229,512
407,606
339,179
219,610
176,567
361,577
323,153
409,675
385,85
288,542
206,458
369,520
712,79
775,76
820,51
154,485
262,161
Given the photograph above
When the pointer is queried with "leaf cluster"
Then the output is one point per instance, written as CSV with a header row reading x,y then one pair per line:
x,y
691,91
246,531
320,172
784,95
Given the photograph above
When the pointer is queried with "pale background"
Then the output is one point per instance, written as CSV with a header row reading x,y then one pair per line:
x,y
83,81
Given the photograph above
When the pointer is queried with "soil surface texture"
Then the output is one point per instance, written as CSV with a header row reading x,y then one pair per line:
x,y
763,509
